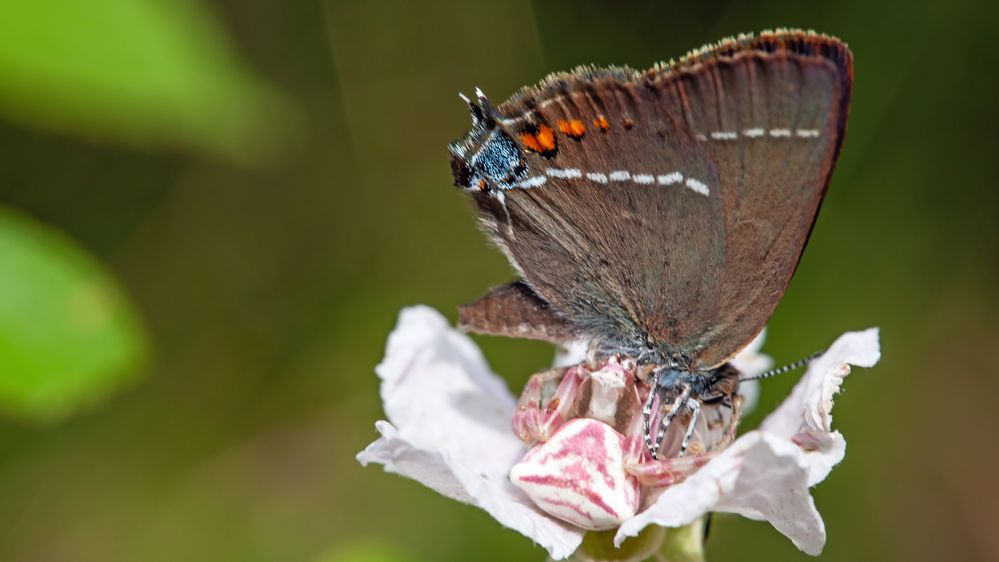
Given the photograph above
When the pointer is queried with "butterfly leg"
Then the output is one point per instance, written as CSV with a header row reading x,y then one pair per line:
x,y
647,415
695,412
664,423
643,465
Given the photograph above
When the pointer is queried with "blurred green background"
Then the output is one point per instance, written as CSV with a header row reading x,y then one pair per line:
x,y
212,213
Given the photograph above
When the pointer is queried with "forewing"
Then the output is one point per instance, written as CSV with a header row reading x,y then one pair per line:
x,y
676,203
774,122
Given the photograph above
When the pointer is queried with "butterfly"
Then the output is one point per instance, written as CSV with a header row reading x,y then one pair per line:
x,y
658,214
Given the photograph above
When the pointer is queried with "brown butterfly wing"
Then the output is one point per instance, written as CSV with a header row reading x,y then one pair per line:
x,y
739,142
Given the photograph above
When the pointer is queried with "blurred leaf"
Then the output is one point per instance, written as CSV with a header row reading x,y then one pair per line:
x,y
68,336
365,550
145,71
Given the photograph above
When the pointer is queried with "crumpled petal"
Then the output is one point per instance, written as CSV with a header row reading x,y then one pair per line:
x,y
806,415
765,474
450,427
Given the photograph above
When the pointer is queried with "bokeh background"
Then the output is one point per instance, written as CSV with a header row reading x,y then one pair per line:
x,y
212,212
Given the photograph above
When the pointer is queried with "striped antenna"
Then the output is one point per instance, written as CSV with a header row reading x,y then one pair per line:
x,y
781,370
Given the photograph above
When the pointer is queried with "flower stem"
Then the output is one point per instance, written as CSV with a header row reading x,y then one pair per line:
x,y
598,546
680,544
683,544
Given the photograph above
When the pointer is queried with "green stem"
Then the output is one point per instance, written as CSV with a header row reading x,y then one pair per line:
x,y
684,544
681,544
598,546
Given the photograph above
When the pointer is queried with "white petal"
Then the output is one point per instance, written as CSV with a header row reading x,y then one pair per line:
x,y
806,415
450,426
759,476
571,353
750,392
751,362
400,457
766,474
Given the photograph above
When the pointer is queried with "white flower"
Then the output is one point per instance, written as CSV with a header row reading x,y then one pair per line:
x,y
451,430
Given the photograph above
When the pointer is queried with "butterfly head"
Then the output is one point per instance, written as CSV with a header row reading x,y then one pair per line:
x,y
487,158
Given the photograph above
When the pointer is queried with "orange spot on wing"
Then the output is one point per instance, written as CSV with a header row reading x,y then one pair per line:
x,y
601,123
541,141
530,142
546,137
574,128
